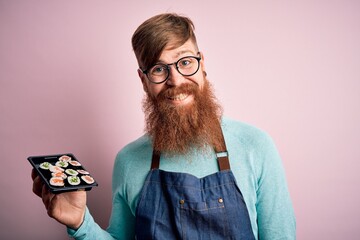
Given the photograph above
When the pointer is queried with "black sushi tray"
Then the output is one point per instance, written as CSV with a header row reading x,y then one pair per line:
x,y
74,175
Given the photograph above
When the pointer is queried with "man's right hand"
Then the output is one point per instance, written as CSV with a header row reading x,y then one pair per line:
x,y
67,208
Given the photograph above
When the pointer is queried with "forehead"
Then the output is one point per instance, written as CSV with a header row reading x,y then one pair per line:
x,y
171,53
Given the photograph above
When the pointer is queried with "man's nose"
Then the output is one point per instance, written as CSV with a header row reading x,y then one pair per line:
x,y
175,78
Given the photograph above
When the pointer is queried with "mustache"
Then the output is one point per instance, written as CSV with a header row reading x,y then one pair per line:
x,y
185,88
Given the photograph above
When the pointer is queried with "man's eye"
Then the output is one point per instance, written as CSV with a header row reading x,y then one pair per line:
x,y
158,70
184,62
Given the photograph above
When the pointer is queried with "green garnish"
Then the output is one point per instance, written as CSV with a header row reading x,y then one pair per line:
x,y
74,179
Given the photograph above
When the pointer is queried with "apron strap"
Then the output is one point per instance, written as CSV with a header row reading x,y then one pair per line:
x,y
223,160
221,155
155,162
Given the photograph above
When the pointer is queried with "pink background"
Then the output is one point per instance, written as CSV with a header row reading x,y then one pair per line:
x,y
68,83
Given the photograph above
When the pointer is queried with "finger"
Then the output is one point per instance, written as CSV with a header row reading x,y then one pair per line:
x,y
34,174
46,196
52,205
37,186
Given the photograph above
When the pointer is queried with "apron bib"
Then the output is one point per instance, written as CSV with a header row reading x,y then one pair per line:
x,y
181,206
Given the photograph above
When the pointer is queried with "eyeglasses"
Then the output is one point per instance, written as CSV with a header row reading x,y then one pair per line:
x,y
186,66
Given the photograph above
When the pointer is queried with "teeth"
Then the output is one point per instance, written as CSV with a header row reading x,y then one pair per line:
x,y
179,97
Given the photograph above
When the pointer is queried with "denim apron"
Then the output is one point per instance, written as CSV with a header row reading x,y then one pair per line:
x,y
181,206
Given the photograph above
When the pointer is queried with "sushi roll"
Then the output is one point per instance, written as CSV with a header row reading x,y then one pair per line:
x,y
83,172
57,181
73,180
71,172
56,169
64,158
75,163
62,164
88,179
45,165
59,174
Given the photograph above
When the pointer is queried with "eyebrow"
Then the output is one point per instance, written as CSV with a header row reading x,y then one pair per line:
x,y
182,52
178,54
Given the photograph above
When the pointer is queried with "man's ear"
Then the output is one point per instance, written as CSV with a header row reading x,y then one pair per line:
x,y
143,79
202,64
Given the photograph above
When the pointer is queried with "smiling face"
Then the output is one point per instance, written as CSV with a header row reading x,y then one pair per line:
x,y
182,112
177,96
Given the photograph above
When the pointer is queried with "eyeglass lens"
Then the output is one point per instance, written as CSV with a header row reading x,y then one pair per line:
x,y
186,66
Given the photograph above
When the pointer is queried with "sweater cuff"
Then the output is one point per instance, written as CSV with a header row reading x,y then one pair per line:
x,y
80,233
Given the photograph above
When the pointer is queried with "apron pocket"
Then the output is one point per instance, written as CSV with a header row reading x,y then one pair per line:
x,y
209,216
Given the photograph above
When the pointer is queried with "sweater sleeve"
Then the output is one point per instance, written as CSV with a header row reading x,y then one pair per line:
x,y
89,230
275,218
122,221
121,224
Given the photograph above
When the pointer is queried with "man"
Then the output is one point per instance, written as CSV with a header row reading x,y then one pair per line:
x,y
195,174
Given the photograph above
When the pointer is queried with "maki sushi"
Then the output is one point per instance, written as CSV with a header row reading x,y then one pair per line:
x,y
64,158
88,179
75,163
55,169
73,180
71,172
57,181
59,174
45,165
83,172
62,164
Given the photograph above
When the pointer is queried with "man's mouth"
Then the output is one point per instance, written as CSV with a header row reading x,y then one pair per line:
x,y
179,97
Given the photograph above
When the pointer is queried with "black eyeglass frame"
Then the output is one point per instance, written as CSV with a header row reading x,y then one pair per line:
x,y
146,71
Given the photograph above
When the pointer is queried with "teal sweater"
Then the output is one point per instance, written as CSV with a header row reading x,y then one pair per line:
x,y
254,161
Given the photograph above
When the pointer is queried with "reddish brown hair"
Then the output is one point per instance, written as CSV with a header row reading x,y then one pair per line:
x,y
153,35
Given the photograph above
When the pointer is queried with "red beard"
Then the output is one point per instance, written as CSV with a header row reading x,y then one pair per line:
x,y
178,129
